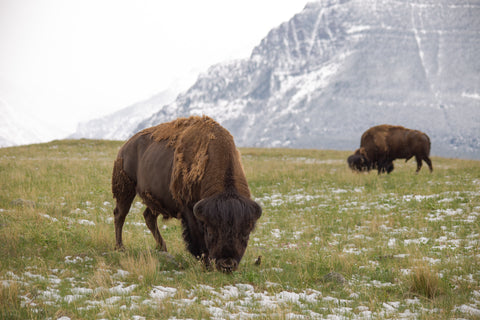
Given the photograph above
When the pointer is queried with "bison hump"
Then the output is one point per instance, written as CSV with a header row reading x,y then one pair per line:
x,y
190,138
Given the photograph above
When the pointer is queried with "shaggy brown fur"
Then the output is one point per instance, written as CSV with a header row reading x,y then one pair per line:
x,y
191,138
382,144
188,169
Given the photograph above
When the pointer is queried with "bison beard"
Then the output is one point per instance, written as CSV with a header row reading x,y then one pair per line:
x,y
380,145
188,169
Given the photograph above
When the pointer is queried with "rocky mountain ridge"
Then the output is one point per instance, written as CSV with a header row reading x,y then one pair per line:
x,y
341,66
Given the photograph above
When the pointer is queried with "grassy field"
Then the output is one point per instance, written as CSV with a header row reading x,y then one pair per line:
x,y
333,244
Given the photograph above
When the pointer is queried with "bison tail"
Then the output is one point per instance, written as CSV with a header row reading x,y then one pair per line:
x,y
427,144
122,185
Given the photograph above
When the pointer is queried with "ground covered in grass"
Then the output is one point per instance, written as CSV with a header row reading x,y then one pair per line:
x,y
331,244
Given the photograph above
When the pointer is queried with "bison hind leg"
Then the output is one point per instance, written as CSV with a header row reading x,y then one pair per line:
x,y
419,163
123,189
429,163
120,213
151,221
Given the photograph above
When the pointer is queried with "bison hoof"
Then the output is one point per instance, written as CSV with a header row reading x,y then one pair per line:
x,y
119,247
227,265
162,248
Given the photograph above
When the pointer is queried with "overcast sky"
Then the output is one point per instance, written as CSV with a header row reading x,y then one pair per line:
x,y
74,60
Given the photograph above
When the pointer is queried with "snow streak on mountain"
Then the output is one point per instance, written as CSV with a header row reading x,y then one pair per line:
x,y
341,66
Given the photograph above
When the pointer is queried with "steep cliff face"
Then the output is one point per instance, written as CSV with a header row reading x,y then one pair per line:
x,y
341,66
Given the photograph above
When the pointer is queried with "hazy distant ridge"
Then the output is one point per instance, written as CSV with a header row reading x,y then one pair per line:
x,y
120,125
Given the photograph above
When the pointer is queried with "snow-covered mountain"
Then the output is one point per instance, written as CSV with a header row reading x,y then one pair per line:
x,y
18,127
121,124
341,66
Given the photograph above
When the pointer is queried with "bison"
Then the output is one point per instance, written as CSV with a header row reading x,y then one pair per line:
x,y
188,169
382,144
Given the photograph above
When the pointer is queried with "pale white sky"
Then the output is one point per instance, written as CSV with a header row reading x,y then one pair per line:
x,y
74,60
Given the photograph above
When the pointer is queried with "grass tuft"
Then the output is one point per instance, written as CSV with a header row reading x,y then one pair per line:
x,y
10,307
144,266
425,282
102,277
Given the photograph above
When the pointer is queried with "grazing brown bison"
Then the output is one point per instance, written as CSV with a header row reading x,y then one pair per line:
x,y
380,145
188,169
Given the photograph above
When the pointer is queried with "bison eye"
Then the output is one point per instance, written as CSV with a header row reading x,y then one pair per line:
x,y
210,234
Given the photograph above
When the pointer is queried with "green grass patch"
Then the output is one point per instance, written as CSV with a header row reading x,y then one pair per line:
x,y
333,243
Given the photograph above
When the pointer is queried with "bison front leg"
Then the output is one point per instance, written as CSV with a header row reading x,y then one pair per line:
x,y
151,221
389,167
381,166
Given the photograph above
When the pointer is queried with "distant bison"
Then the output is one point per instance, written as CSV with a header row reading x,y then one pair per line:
x,y
380,145
188,169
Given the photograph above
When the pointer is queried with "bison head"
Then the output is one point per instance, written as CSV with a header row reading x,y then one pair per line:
x,y
359,161
227,221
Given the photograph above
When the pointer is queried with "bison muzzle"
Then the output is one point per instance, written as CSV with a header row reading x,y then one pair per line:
x,y
188,169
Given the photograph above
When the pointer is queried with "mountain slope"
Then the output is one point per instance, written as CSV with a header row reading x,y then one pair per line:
x,y
339,67
336,69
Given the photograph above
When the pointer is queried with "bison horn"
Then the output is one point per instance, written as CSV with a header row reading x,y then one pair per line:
x,y
198,210
257,212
